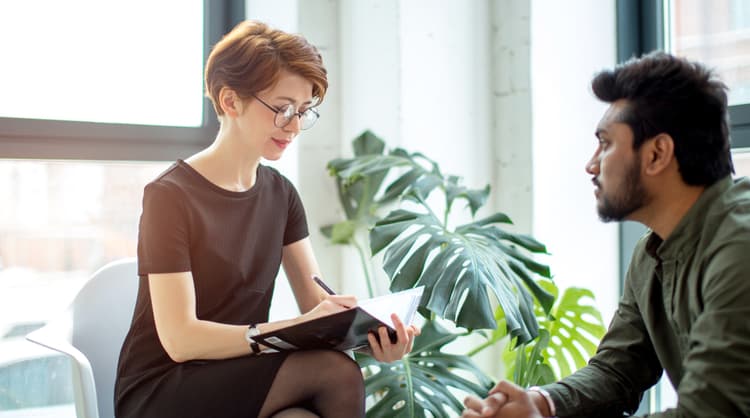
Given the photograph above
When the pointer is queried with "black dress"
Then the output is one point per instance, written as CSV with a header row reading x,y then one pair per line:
x,y
232,243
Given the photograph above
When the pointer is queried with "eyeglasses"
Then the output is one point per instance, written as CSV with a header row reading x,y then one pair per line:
x,y
284,115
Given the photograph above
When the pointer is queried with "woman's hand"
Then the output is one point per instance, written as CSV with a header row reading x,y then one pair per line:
x,y
384,350
330,305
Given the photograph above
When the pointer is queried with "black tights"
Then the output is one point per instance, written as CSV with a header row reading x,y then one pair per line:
x,y
316,383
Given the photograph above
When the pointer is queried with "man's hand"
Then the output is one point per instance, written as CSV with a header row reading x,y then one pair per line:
x,y
487,407
506,400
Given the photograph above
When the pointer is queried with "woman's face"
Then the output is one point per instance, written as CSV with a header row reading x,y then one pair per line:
x,y
257,121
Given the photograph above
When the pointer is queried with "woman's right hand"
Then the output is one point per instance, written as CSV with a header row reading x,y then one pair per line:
x,y
330,305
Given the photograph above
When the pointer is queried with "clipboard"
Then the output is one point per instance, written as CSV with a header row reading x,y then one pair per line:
x,y
346,330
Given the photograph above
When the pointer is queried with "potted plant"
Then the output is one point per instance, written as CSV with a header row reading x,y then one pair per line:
x,y
477,276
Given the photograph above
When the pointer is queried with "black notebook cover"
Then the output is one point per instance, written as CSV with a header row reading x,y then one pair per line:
x,y
345,330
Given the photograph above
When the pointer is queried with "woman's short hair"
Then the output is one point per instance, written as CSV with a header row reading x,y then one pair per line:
x,y
251,57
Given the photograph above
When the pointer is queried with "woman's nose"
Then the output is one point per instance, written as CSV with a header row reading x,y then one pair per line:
x,y
294,125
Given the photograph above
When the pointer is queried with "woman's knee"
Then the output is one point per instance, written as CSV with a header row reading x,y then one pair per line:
x,y
340,368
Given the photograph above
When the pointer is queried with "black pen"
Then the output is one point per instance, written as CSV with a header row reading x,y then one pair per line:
x,y
325,287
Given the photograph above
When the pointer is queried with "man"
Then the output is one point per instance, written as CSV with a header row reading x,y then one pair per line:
x,y
663,159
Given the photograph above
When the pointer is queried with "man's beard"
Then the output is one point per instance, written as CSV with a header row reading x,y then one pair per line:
x,y
630,197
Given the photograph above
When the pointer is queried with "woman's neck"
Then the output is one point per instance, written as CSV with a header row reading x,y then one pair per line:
x,y
226,164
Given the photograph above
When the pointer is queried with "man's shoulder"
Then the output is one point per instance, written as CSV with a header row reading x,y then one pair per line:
x,y
729,216
737,196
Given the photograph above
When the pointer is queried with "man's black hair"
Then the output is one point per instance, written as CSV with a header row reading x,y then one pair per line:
x,y
682,98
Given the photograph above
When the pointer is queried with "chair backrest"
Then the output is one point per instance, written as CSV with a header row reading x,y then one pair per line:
x,y
101,313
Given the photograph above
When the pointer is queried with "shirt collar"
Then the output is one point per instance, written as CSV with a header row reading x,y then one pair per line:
x,y
689,226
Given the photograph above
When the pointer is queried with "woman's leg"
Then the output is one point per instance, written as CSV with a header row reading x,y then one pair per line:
x,y
328,383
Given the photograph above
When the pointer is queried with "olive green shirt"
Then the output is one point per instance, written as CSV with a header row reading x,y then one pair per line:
x,y
685,309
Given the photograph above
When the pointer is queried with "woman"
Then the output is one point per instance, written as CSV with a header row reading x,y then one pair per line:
x,y
213,232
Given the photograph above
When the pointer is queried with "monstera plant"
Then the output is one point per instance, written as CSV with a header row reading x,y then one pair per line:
x,y
568,337
477,276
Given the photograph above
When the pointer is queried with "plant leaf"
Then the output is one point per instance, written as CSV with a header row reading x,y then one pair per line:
x,y
423,380
368,143
390,227
575,330
458,271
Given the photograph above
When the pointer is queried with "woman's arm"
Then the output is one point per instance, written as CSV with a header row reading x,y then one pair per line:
x,y
183,336
186,337
300,265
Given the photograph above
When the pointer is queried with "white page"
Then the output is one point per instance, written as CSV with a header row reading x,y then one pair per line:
x,y
403,303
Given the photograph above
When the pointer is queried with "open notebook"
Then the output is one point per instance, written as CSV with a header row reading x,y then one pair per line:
x,y
347,329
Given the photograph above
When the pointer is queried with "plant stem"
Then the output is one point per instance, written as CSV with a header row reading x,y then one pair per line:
x,y
365,266
480,347
429,209
409,385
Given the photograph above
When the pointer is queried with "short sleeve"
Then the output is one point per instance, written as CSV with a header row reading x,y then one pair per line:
x,y
296,226
163,234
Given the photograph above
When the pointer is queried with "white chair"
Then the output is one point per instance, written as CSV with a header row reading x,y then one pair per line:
x,y
91,333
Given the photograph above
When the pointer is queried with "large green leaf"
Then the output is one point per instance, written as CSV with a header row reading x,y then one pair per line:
x,y
574,328
425,380
529,366
357,195
463,271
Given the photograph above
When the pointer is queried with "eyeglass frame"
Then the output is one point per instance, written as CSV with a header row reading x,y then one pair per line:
x,y
278,112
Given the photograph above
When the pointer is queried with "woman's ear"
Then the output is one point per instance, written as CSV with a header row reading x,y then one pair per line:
x,y
230,102
659,153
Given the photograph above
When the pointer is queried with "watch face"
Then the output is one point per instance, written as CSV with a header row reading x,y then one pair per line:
x,y
253,331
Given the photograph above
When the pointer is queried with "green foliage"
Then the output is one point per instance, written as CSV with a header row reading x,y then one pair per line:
x,y
575,328
476,275
529,367
423,380
568,337
464,269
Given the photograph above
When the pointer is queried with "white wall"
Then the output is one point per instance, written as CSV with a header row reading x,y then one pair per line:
x,y
571,41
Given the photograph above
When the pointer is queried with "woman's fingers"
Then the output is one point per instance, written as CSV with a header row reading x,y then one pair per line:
x,y
377,352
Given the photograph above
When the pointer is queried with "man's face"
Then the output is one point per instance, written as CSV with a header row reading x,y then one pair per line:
x,y
616,168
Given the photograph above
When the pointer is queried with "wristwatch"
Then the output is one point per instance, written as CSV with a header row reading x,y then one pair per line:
x,y
251,332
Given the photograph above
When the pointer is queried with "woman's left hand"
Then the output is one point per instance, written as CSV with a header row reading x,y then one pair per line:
x,y
386,351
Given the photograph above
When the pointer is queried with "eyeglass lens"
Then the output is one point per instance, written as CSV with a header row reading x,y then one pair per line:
x,y
287,112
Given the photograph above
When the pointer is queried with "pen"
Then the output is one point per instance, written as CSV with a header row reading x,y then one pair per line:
x,y
323,285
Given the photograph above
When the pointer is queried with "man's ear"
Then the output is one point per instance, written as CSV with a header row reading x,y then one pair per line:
x,y
658,153
230,102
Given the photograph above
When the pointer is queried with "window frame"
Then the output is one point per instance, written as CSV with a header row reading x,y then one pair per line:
x,y
77,140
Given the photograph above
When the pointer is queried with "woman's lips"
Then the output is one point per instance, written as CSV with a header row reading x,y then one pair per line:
x,y
281,143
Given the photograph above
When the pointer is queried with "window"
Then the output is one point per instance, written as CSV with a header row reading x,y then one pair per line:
x,y
117,67
107,80
72,169
716,33
59,222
